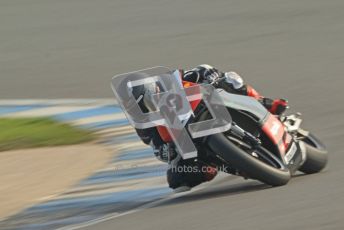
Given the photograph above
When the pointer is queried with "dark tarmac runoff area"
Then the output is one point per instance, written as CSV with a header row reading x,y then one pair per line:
x,y
285,49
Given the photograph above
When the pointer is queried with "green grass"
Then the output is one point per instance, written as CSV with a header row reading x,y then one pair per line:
x,y
19,133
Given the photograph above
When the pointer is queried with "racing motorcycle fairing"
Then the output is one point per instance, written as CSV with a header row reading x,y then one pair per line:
x,y
284,146
244,103
276,132
288,150
271,126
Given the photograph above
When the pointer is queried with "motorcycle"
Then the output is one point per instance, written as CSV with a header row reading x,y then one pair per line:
x,y
258,145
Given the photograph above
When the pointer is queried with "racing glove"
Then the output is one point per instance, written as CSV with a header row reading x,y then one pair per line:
x,y
277,107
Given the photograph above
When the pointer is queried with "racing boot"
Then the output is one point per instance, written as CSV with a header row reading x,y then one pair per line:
x,y
183,175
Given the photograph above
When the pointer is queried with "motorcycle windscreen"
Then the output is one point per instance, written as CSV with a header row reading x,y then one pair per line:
x,y
244,103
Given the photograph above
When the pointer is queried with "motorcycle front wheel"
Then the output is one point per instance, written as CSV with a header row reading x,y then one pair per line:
x,y
316,155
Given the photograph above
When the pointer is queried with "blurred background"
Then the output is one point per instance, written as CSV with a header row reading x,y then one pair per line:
x,y
70,49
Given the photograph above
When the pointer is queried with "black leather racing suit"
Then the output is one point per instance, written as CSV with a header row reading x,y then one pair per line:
x,y
164,151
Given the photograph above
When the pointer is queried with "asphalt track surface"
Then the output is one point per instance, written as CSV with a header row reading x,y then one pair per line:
x,y
290,49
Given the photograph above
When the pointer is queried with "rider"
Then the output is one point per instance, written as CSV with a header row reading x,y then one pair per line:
x,y
190,173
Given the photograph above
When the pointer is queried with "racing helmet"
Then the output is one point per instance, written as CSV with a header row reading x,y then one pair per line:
x,y
202,73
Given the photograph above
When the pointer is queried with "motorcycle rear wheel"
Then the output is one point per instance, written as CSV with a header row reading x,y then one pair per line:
x,y
250,165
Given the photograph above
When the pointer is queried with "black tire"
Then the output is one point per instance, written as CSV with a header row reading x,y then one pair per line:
x,y
316,155
246,163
